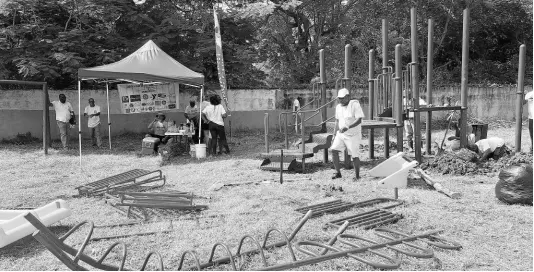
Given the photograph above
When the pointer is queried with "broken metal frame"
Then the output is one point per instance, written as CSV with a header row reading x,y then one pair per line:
x,y
129,179
336,206
62,251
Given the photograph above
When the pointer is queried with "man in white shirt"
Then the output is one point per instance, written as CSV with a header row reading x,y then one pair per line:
x,y
348,131
492,147
64,112
529,99
92,112
216,113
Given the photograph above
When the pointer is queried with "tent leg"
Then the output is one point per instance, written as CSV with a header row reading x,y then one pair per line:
x,y
109,116
80,121
200,122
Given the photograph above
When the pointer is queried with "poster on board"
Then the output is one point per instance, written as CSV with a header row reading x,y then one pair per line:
x,y
137,98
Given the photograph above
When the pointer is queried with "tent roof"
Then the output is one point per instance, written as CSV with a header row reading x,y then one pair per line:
x,y
148,63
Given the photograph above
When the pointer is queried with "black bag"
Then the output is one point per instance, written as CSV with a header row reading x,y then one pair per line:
x,y
515,185
72,119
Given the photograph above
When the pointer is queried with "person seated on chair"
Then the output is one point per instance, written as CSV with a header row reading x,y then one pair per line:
x,y
158,127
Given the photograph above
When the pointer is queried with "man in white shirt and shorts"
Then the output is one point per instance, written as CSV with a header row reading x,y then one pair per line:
x,y
529,99
348,131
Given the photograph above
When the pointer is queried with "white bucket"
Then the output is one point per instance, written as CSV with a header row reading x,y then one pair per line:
x,y
200,151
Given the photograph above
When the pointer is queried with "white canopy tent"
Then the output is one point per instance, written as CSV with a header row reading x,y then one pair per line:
x,y
149,64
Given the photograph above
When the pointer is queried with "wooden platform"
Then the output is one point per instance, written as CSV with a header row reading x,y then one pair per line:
x,y
288,153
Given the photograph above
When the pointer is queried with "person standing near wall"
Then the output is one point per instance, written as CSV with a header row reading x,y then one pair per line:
x,y
348,131
529,99
216,113
92,112
296,107
64,113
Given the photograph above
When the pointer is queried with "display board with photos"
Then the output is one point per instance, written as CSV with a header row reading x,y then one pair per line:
x,y
136,98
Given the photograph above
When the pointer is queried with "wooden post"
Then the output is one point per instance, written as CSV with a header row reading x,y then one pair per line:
x,y
46,125
464,82
371,102
436,185
429,74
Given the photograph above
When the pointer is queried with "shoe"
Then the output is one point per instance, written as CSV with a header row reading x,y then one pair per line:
x,y
356,179
336,175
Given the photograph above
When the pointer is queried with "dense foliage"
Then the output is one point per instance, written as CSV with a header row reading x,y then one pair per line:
x,y
266,43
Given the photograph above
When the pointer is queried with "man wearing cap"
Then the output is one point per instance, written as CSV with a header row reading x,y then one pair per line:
x,y
92,112
347,131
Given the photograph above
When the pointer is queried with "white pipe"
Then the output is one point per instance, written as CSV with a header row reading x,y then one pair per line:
x,y
200,122
109,116
80,120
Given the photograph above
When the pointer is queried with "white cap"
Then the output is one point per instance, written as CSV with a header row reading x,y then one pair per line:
x,y
342,93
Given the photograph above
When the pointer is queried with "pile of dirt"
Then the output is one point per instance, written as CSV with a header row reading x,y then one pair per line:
x,y
170,150
464,163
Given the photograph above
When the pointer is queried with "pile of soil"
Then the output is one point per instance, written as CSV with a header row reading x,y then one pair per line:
x,y
464,163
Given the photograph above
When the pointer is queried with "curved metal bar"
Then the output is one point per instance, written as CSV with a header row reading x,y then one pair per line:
x,y
288,243
148,258
447,245
123,260
192,253
238,253
340,239
395,263
313,243
85,242
426,252
232,262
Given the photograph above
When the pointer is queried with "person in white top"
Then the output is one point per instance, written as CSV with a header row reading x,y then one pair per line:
x,y
529,99
206,135
348,131
215,113
492,147
92,112
296,107
64,113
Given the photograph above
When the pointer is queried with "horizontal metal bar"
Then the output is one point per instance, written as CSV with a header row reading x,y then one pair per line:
x,y
167,206
426,109
129,235
22,82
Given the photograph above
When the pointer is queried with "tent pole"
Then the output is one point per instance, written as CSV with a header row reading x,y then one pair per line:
x,y
109,116
200,122
80,120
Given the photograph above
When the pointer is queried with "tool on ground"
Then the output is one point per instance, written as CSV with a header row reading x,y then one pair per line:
x,y
430,181
127,180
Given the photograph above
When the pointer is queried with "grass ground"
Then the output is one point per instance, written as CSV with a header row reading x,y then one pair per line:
x,y
495,236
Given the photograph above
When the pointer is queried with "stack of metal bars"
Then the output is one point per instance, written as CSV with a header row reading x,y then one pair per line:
x,y
373,218
129,179
334,206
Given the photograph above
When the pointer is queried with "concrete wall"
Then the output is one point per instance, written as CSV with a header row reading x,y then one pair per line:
x,y
21,110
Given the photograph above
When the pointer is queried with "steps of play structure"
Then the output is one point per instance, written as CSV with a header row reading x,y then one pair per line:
x,y
288,154
13,225
319,140
273,164
394,171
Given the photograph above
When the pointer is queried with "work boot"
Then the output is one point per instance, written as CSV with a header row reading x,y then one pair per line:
x,y
336,175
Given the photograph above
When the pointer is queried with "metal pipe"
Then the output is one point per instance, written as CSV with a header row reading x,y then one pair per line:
x,y
22,82
281,166
465,73
80,120
429,79
285,133
302,143
45,119
520,96
266,128
333,240
109,115
385,59
398,96
371,101
415,80
322,70
348,85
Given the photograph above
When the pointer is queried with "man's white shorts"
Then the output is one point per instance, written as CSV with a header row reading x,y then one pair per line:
x,y
351,143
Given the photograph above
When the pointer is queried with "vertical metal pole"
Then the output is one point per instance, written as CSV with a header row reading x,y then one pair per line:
x,y
520,97
323,87
415,80
303,144
465,73
266,128
281,166
80,120
109,115
385,81
347,80
285,132
429,78
45,119
398,96
371,101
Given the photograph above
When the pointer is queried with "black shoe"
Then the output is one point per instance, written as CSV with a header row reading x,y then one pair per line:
x,y
336,175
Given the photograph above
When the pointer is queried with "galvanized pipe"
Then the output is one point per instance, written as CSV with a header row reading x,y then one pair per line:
x,y
45,118
415,80
266,129
322,73
464,82
371,101
398,97
429,79
520,97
